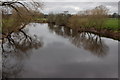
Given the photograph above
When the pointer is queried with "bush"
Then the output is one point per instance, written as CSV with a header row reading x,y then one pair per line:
x,y
89,18
58,19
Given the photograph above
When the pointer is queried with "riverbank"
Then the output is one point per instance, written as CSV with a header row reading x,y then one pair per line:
x,y
103,32
110,30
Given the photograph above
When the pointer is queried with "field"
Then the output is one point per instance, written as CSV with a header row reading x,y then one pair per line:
x,y
112,23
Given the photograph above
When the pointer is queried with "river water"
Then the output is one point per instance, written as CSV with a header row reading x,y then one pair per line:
x,y
50,51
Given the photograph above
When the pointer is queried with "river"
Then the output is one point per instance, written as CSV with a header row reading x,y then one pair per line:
x,y
50,51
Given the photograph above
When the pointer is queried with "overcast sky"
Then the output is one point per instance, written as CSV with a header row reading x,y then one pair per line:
x,y
74,7
79,0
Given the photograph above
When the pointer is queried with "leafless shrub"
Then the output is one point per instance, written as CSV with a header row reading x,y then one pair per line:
x,y
90,18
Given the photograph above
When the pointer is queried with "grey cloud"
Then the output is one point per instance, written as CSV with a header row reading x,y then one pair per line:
x,y
81,0
74,7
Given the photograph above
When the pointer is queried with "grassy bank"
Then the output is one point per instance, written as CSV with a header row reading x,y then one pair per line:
x,y
110,27
111,23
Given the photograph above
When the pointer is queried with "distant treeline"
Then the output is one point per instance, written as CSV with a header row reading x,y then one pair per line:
x,y
114,15
41,15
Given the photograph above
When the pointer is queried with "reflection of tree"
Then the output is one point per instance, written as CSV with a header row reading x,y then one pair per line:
x,y
60,30
88,41
10,68
21,42
15,41
15,49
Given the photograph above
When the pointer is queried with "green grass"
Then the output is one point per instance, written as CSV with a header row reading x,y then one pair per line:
x,y
111,23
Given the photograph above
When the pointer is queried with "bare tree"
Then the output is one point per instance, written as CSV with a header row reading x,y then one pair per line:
x,y
16,13
90,18
99,15
17,4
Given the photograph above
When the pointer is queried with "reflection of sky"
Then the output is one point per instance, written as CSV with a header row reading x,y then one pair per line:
x,y
74,7
43,33
60,58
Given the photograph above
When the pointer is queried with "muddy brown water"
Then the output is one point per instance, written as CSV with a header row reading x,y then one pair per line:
x,y
49,51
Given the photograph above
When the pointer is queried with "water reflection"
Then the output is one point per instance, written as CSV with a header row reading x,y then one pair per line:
x,y
20,41
86,40
16,48
24,53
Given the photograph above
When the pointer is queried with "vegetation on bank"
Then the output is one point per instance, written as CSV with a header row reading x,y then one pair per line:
x,y
110,23
58,19
19,12
96,18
